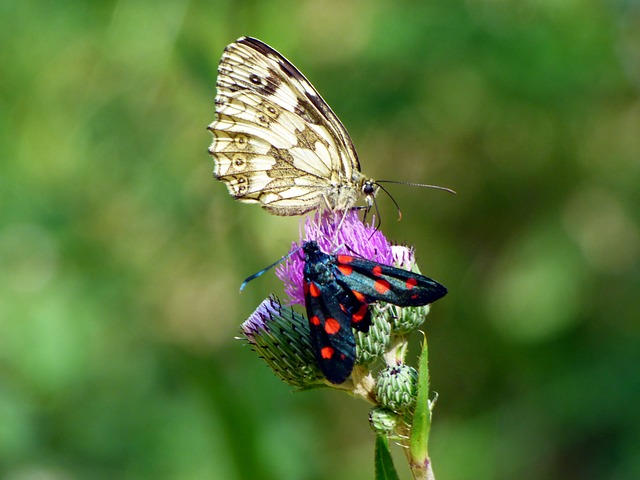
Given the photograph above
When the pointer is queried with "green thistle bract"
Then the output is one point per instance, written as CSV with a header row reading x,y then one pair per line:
x,y
396,388
280,336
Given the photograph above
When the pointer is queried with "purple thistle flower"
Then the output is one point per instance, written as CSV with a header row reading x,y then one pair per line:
x,y
338,232
403,257
259,319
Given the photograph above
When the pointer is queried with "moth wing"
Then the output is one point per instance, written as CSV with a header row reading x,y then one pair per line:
x,y
388,284
331,334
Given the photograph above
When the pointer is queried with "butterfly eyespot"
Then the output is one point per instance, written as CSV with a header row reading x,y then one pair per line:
x,y
255,79
239,162
240,186
241,142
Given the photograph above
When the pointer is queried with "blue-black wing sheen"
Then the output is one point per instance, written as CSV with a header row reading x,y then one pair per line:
x,y
332,310
338,291
376,281
386,283
331,335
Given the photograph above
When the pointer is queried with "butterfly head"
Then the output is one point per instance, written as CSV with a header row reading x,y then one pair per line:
x,y
369,190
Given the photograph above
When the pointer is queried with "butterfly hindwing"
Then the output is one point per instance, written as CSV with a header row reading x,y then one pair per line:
x,y
276,142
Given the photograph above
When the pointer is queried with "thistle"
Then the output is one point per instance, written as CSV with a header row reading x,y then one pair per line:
x,y
341,289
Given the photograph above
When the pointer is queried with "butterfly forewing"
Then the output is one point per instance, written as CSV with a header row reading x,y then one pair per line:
x,y
275,140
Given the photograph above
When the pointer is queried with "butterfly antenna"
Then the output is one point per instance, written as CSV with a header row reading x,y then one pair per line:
x,y
379,223
423,185
391,197
377,216
266,269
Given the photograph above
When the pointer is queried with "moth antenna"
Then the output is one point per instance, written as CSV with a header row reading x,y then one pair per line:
x,y
423,185
266,269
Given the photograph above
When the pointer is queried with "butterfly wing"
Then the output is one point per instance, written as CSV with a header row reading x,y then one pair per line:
x,y
389,284
275,140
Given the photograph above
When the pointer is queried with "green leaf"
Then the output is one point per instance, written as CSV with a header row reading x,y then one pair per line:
x,y
422,415
383,461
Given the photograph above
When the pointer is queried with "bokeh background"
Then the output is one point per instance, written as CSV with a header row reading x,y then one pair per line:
x,y
121,256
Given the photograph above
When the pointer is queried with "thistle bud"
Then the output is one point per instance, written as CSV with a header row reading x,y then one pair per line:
x,y
372,345
397,387
383,421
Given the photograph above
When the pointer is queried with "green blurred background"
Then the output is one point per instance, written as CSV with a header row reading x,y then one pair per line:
x,y
121,256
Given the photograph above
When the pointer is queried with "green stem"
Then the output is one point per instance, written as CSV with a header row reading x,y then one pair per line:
x,y
418,451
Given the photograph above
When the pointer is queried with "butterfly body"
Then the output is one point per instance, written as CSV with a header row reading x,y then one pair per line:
x,y
338,291
276,142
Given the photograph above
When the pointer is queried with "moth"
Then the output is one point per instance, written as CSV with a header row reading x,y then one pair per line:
x,y
338,291
276,142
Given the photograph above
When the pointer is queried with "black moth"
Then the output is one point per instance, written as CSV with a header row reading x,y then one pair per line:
x,y
338,290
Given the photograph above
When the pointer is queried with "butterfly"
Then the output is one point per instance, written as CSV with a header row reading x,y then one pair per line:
x,y
338,291
276,142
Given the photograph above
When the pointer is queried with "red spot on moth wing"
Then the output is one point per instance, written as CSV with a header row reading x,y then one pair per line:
x,y
411,282
327,352
314,290
381,285
345,269
377,270
314,320
359,296
332,326
360,314
345,258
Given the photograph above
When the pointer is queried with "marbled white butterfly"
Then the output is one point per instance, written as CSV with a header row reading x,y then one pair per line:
x,y
275,140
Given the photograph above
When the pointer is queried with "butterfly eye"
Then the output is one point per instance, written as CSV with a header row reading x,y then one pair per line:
x,y
368,188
